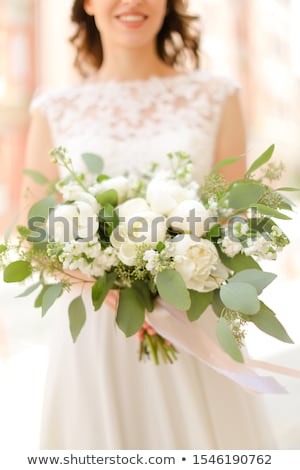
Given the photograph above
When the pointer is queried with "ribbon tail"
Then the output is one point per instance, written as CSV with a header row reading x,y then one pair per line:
x,y
173,325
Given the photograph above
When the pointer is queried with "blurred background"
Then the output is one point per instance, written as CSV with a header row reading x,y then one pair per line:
x,y
258,44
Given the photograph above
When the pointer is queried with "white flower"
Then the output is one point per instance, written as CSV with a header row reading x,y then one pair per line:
x,y
230,247
141,228
190,217
164,195
119,184
71,221
198,263
152,258
74,192
131,208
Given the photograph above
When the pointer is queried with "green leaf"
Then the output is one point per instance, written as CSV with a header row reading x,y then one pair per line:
x,y
265,210
241,297
93,162
41,209
172,289
144,292
39,299
244,194
267,322
37,177
17,271
108,197
288,189
239,262
226,161
217,303
264,158
131,311
214,232
29,290
77,317
52,292
3,249
227,341
258,279
101,178
101,288
199,303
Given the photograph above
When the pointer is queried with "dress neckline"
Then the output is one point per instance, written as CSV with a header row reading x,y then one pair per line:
x,y
167,79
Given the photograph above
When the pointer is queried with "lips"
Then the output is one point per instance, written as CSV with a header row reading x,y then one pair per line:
x,y
132,17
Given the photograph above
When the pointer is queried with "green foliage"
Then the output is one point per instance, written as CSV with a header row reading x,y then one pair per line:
x,y
108,197
101,288
51,293
261,160
227,341
41,209
172,289
265,210
131,311
36,176
144,293
17,271
258,279
240,296
94,163
199,303
267,322
239,262
244,194
29,290
77,317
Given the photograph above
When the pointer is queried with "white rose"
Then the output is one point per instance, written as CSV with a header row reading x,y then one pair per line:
x,y
164,195
145,227
198,263
119,184
131,208
74,192
70,221
193,218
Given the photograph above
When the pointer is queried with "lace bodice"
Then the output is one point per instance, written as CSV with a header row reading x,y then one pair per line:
x,y
134,123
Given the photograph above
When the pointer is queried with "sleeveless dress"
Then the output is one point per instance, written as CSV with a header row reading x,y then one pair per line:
x,y
98,395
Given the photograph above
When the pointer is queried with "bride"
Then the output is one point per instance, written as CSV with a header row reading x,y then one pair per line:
x,y
136,103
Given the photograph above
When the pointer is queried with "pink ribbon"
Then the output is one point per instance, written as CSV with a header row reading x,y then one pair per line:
x,y
189,336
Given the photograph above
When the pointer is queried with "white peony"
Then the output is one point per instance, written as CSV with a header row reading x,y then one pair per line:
x,y
71,221
119,184
131,208
164,195
142,228
191,217
198,263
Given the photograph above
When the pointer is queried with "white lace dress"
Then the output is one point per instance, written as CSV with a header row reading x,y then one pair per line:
x,y
98,396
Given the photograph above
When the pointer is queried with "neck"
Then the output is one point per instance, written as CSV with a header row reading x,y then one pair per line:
x,y
133,64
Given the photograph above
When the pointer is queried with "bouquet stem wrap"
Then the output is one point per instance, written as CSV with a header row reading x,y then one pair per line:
x,y
173,325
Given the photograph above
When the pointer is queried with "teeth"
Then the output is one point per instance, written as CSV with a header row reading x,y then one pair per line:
x,y
132,18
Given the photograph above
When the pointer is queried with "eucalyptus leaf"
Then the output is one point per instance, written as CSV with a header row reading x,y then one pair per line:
x,y
39,300
258,279
241,297
267,322
36,176
29,290
199,303
40,210
226,161
50,295
217,303
131,311
3,249
17,271
288,189
265,210
144,292
244,194
94,163
77,317
239,262
262,160
227,341
172,289
101,288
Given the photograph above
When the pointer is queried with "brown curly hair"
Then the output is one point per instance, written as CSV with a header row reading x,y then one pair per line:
x,y
177,42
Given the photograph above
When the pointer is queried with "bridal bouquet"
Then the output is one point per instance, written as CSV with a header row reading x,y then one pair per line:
x,y
155,238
